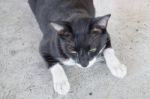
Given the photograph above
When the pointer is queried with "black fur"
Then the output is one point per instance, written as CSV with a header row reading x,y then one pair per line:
x,y
78,19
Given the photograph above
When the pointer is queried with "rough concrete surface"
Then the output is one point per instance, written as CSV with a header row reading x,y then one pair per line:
x,y
23,73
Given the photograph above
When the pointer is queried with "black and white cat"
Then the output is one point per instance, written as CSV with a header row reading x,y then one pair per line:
x,y
73,36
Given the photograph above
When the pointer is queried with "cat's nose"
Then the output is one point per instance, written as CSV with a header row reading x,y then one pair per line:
x,y
84,64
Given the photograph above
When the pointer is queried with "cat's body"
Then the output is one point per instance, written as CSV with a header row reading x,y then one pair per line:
x,y
73,36
62,10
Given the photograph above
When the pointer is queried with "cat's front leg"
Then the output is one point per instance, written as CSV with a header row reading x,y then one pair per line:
x,y
117,69
60,80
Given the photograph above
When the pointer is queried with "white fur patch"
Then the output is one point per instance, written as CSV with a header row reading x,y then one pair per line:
x,y
69,62
57,26
117,69
60,80
92,62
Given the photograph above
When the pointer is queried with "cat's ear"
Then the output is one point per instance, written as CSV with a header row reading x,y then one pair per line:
x,y
62,29
102,21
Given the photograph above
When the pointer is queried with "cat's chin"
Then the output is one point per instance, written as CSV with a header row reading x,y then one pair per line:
x,y
80,66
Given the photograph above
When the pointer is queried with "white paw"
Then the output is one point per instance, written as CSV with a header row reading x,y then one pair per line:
x,y
62,87
119,70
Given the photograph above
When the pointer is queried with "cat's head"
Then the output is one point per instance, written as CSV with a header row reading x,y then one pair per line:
x,y
82,39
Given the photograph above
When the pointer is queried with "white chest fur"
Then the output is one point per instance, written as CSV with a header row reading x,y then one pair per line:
x,y
71,62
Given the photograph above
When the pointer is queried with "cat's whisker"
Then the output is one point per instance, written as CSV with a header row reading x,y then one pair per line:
x,y
101,50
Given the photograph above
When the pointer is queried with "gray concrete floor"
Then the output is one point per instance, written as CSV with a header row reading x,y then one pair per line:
x,y
23,74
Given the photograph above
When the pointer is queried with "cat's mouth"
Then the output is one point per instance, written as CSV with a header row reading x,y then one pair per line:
x,y
94,60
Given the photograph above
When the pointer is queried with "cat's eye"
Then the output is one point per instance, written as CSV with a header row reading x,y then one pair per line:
x,y
73,52
93,50
95,30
